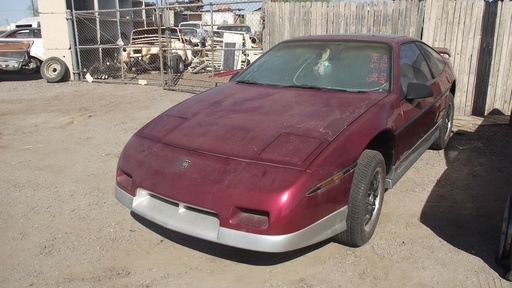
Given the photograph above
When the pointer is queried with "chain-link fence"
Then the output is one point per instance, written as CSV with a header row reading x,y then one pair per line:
x,y
189,47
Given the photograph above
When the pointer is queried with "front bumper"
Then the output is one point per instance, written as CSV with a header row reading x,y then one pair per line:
x,y
204,224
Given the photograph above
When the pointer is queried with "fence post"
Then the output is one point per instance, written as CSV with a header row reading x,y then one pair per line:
x,y
485,57
161,50
212,46
74,56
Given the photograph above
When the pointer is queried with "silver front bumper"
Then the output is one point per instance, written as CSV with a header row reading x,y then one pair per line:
x,y
204,224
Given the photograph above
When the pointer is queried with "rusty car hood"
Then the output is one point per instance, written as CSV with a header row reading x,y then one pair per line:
x,y
283,126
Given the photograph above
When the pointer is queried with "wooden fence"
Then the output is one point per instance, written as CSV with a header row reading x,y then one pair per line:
x,y
477,32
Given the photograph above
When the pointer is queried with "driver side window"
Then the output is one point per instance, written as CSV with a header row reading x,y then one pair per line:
x,y
413,67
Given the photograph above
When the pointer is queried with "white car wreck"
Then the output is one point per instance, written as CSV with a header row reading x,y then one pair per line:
x,y
148,45
14,54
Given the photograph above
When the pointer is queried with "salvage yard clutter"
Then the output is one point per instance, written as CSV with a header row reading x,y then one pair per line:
x,y
183,46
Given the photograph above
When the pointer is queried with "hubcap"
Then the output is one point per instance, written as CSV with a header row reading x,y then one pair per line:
x,y
372,200
448,121
53,69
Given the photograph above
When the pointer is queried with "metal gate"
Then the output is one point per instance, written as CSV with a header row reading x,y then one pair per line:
x,y
190,47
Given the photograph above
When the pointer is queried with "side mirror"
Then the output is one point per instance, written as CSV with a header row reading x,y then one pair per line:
x,y
418,91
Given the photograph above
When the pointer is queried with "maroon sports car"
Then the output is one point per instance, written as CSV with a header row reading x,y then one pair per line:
x,y
297,148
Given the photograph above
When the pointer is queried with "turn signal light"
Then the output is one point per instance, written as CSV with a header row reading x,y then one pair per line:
x,y
250,217
124,181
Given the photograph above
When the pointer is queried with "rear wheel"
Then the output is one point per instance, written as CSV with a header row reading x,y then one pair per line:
x,y
365,200
54,70
177,64
506,236
445,130
31,67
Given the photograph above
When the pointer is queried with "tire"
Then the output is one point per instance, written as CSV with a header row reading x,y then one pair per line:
x,y
177,64
503,258
365,200
54,70
445,130
31,67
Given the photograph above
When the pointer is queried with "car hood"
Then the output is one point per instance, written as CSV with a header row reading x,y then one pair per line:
x,y
284,126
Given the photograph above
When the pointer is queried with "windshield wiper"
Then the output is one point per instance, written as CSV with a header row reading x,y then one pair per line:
x,y
307,86
248,82
352,90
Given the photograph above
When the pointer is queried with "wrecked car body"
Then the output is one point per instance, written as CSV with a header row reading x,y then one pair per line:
x,y
148,44
248,47
14,54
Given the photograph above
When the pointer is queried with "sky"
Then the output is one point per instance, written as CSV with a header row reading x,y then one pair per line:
x,y
13,10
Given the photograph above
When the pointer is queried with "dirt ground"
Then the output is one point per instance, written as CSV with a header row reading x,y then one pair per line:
x,y
62,227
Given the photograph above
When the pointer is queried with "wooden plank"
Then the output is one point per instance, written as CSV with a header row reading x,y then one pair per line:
x,y
377,17
412,10
353,17
361,17
267,8
491,94
450,27
429,24
342,20
336,18
442,24
500,75
426,21
464,104
421,14
460,102
385,17
508,89
393,21
472,50
459,35
315,15
371,18
408,21
330,17
456,55
308,14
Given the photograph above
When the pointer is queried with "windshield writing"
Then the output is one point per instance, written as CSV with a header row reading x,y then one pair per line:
x,y
339,65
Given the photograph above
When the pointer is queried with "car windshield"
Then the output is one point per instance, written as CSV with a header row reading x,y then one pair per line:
x,y
339,65
191,25
245,29
188,32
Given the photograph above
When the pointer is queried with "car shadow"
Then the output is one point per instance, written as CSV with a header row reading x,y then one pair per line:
x,y
18,76
226,252
466,206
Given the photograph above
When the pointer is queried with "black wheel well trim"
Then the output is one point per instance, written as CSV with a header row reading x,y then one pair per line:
x,y
384,143
453,88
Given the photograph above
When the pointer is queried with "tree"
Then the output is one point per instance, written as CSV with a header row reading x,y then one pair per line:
x,y
33,9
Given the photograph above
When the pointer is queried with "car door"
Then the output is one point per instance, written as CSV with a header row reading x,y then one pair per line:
x,y
419,115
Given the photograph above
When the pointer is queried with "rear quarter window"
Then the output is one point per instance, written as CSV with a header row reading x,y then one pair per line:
x,y
435,61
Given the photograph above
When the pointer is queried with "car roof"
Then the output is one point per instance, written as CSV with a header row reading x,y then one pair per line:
x,y
14,30
234,25
386,38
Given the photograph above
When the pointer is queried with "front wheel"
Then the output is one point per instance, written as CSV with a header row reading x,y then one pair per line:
x,y
365,200
54,70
